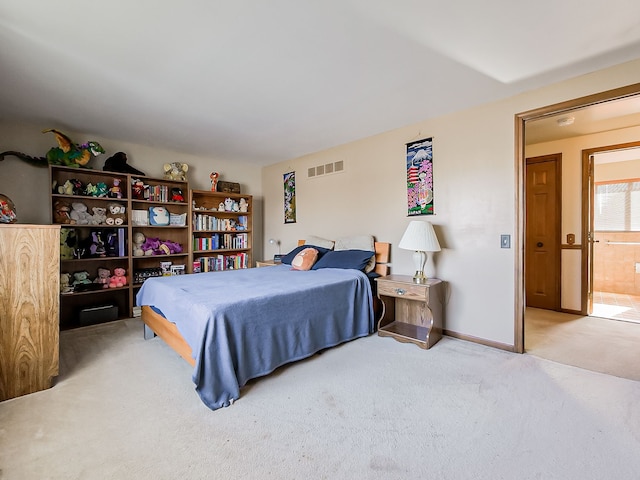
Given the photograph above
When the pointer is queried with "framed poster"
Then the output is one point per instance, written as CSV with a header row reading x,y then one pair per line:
x,y
290,197
420,177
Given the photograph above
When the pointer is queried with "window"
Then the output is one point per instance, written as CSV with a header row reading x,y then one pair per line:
x,y
617,206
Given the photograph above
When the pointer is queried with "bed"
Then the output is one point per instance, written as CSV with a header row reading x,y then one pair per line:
x,y
237,325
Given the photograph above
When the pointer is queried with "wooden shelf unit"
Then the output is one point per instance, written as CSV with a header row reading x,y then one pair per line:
x,y
209,222
71,304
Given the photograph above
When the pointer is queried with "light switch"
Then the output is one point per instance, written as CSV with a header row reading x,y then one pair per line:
x,y
505,241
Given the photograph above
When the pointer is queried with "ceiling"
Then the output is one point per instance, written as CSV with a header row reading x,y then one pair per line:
x,y
265,81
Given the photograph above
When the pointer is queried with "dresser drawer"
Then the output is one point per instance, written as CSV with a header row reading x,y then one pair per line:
x,y
404,290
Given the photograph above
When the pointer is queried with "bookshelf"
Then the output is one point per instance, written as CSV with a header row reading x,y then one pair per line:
x,y
221,230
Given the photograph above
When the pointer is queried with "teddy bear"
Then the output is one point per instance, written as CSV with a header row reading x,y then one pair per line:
x,y
61,213
176,171
138,241
115,214
81,278
99,216
80,214
119,279
65,283
104,277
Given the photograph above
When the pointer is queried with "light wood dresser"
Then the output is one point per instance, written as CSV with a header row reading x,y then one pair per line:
x,y
29,308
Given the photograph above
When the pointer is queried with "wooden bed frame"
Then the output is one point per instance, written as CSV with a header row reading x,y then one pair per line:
x,y
156,324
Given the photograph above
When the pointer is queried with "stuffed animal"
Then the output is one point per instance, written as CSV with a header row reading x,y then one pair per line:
x,y
81,278
65,283
119,279
118,163
138,241
158,216
97,247
137,189
68,243
228,204
104,277
66,188
101,190
77,187
176,171
176,195
244,206
99,216
155,246
80,214
61,213
115,191
115,214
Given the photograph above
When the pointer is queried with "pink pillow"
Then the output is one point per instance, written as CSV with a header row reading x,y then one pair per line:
x,y
305,259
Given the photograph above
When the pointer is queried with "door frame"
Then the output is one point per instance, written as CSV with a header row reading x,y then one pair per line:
x,y
587,220
520,120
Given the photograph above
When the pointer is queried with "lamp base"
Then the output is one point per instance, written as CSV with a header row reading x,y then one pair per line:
x,y
420,278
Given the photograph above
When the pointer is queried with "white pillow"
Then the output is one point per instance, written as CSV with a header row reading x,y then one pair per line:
x,y
319,242
358,242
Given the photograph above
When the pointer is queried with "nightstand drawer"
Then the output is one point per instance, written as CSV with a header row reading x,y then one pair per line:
x,y
404,290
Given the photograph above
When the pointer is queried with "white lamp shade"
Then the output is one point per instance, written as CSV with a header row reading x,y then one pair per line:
x,y
420,236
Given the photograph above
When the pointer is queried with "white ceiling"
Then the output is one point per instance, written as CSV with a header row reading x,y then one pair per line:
x,y
266,81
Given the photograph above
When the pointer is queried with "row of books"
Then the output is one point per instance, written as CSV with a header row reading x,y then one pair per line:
x,y
220,262
202,221
220,241
158,193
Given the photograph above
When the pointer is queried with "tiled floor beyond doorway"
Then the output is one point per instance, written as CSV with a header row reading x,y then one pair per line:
x,y
616,306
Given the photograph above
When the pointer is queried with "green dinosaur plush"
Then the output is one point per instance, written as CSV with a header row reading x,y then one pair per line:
x,y
67,153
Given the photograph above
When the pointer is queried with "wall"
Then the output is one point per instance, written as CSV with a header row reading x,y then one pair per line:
x,y
28,186
474,191
571,150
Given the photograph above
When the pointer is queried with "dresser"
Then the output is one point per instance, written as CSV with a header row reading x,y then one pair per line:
x,y
29,308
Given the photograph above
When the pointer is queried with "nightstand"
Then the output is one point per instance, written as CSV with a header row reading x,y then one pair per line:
x,y
411,312
265,263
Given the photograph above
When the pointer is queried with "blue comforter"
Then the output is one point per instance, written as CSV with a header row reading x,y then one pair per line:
x,y
242,324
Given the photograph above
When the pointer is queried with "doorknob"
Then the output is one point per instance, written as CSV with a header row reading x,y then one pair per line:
x,y
539,244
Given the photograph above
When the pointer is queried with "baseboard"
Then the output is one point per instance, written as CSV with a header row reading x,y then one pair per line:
x,y
481,341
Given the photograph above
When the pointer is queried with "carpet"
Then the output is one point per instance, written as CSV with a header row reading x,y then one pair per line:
x,y
374,408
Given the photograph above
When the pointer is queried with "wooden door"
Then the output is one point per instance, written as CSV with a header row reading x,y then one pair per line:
x,y
542,232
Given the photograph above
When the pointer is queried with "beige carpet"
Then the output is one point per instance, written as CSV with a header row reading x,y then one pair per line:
x,y
374,408
593,343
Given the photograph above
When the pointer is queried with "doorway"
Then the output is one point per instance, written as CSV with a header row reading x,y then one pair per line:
x,y
629,92
614,230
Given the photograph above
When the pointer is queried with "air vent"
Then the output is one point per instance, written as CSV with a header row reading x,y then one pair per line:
x,y
326,169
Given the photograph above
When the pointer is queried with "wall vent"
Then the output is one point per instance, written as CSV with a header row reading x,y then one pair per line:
x,y
326,169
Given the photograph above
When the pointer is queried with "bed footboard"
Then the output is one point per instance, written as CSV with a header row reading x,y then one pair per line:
x,y
167,331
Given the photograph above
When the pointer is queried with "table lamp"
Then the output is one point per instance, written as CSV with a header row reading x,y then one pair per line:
x,y
421,238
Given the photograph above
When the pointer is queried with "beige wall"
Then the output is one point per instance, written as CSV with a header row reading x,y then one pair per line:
x,y
29,188
474,188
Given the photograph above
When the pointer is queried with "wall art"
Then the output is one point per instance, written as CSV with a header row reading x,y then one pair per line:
x,y
420,177
290,197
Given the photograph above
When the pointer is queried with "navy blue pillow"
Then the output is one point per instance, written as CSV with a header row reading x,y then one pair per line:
x,y
355,259
288,258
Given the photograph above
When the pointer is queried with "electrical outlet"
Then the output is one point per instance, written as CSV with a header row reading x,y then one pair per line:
x,y
505,241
